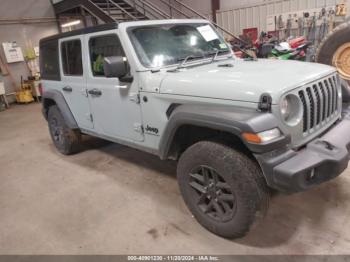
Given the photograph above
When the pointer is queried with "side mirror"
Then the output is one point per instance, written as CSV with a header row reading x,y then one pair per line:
x,y
115,66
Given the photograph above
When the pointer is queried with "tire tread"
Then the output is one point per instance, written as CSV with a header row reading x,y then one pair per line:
x,y
322,54
253,192
72,137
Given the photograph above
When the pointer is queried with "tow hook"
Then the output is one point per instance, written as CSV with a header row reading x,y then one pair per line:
x,y
326,144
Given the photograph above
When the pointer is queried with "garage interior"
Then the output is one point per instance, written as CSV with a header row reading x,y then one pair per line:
x,y
112,199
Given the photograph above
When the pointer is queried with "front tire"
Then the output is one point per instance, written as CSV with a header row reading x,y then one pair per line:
x,y
66,140
223,188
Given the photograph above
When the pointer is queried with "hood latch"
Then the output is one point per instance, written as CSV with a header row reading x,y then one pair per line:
x,y
265,103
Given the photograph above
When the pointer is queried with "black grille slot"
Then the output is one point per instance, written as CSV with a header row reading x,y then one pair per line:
x,y
335,93
318,104
305,116
324,102
312,107
329,98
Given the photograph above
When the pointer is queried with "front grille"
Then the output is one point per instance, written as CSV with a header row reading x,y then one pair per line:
x,y
320,104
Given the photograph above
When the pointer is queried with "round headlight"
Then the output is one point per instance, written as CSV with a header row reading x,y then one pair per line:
x,y
285,108
291,109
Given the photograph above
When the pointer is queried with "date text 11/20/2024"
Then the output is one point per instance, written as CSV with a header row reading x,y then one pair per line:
x,y
173,258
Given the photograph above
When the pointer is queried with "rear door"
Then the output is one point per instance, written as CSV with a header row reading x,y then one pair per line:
x,y
73,79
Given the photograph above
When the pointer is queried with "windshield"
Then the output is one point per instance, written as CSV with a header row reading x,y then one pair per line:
x,y
164,45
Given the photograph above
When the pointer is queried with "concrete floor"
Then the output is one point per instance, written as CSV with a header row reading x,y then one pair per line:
x,y
111,199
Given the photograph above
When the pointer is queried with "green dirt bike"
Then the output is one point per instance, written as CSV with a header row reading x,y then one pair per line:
x,y
283,51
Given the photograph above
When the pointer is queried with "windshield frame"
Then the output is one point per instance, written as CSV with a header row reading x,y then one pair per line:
x,y
203,60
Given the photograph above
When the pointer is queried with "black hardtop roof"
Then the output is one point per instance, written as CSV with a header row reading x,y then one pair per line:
x,y
83,31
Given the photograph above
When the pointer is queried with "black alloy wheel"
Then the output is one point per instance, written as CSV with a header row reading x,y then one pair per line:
x,y
214,196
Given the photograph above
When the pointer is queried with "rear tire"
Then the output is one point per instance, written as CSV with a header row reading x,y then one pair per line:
x,y
334,50
66,140
223,188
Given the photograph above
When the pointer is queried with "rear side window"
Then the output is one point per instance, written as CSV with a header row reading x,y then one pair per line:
x,y
72,62
101,47
49,65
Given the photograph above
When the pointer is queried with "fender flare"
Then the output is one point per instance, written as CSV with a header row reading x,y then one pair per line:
x,y
58,98
226,119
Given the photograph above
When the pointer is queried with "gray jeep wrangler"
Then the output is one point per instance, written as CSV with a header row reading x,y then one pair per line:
x,y
174,88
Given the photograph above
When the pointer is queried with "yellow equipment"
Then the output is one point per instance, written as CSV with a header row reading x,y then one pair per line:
x,y
25,95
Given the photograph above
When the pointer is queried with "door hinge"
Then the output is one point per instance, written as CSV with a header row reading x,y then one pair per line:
x,y
135,98
138,128
84,92
91,118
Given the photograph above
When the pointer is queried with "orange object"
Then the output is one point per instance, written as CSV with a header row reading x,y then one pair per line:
x,y
252,138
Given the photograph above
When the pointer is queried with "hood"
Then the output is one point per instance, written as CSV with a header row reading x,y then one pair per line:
x,y
245,81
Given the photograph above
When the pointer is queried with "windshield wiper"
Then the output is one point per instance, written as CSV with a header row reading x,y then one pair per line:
x,y
216,53
185,60
192,57
208,54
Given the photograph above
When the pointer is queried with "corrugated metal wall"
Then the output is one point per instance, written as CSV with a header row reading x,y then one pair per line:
x,y
256,16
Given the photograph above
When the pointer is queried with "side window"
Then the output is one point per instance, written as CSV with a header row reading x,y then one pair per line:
x,y
49,65
72,58
101,47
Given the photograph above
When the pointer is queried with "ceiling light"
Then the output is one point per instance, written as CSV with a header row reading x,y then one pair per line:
x,y
72,23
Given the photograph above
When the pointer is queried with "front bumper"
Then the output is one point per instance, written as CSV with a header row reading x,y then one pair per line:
x,y
321,160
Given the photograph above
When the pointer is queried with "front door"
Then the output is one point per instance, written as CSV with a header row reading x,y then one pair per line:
x,y
73,84
114,106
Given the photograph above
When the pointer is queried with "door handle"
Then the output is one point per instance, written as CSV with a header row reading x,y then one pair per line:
x,y
95,92
67,89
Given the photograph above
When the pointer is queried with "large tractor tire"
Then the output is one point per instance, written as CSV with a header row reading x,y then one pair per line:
x,y
335,50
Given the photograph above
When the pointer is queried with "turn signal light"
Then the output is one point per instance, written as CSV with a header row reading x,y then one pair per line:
x,y
262,137
252,138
